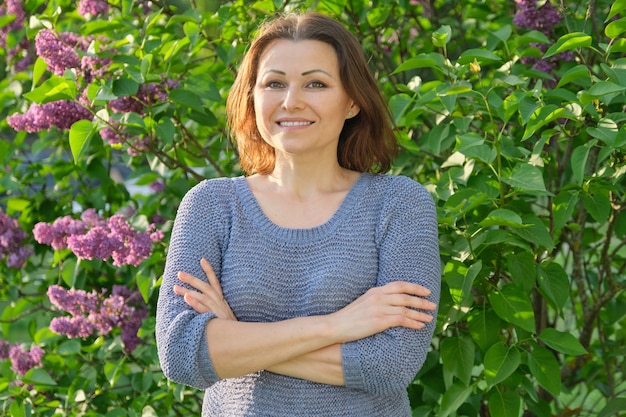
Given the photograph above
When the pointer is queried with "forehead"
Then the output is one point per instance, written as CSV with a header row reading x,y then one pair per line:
x,y
284,54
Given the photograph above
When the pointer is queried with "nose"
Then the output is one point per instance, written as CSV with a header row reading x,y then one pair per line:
x,y
293,99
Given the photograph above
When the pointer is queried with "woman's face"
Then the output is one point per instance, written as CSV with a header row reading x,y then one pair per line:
x,y
299,99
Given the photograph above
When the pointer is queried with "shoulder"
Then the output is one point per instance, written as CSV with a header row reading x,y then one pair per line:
x,y
208,196
398,188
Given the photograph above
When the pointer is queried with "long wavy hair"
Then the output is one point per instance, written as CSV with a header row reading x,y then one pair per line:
x,y
367,141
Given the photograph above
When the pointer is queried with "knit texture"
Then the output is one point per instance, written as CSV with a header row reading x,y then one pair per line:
x,y
385,230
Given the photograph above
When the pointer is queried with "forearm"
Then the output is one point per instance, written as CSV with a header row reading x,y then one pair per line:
x,y
239,348
323,366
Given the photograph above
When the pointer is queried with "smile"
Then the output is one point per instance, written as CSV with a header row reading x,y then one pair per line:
x,y
291,124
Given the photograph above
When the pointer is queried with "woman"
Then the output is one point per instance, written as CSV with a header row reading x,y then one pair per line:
x,y
319,276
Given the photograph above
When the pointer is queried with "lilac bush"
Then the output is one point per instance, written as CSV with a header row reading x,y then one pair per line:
x,y
22,360
95,313
543,18
13,249
94,237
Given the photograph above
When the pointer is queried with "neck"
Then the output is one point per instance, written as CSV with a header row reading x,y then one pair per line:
x,y
307,180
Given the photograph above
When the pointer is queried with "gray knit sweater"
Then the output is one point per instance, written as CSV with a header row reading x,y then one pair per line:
x,y
385,230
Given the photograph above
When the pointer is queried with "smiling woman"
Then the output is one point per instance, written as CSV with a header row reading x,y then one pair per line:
x,y
308,287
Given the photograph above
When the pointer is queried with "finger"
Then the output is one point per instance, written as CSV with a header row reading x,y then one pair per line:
x,y
411,301
210,274
406,288
195,303
196,283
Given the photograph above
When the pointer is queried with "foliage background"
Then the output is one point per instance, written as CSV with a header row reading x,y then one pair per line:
x,y
518,130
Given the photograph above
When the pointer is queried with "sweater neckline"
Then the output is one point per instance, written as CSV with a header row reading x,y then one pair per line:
x,y
268,227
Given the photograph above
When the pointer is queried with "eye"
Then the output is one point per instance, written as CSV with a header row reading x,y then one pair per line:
x,y
274,84
316,84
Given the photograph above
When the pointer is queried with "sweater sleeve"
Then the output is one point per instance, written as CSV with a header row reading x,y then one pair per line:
x,y
180,331
387,362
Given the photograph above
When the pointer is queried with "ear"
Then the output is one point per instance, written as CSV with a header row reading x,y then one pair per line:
x,y
353,111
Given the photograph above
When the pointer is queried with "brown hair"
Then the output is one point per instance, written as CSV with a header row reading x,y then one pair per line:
x,y
367,141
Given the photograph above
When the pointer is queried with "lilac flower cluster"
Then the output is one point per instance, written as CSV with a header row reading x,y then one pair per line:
x,y
60,114
147,95
93,312
59,50
21,360
93,237
93,7
11,242
21,53
543,18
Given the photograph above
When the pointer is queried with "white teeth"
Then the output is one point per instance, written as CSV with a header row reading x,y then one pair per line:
x,y
290,124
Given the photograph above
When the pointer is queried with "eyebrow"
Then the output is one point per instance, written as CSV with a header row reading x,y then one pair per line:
x,y
305,73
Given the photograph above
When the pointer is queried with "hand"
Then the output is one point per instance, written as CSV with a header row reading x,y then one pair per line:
x,y
209,297
396,304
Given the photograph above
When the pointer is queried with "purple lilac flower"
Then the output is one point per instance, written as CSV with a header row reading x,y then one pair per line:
x,y
94,67
94,313
22,361
147,95
157,186
93,7
11,242
5,347
58,51
61,114
96,238
11,8
543,18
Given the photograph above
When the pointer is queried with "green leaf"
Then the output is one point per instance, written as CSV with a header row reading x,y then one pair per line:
x,y
604,88
573,74
484,327
398,105
614,407
500,362
526,177
562,342
53,89
513,306
579,161
442,36
38,376
457,355
80,136
453,398
432,60
505,404
460,280
553,284
112,371
535,232
541,117
39,69
563,206
615,28
481,55
523,270
598,205
568,42
618,6
166,130
545,369
186,98
144,284
502,217
124,87
534,36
